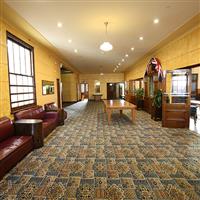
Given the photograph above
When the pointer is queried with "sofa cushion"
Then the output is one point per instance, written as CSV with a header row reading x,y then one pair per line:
x,y
38,113
11,144
24,114
50,107
6,128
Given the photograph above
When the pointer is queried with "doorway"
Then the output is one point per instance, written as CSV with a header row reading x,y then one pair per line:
x,y
195,99
84,90
115,90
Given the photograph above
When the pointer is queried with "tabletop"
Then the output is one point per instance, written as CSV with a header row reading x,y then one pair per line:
x,y
118,104
28,121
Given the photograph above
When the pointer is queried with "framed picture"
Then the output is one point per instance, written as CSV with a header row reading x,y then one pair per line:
x,y
47,87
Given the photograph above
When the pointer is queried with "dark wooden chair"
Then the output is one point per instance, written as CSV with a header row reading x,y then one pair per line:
x,y
193,112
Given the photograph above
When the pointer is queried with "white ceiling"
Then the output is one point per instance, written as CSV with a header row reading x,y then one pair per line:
x,y
83,22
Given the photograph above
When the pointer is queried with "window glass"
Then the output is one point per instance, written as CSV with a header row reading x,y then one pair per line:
x,y
179,84
21,74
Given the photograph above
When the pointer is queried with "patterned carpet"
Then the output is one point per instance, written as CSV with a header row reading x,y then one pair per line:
x,y
88,159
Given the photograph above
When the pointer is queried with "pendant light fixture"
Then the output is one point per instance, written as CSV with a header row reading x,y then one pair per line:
x,y
106,46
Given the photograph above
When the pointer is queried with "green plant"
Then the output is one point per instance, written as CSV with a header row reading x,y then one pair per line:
x,y
157,100
139,93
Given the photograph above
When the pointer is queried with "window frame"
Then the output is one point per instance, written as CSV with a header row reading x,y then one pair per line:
x,y
18,41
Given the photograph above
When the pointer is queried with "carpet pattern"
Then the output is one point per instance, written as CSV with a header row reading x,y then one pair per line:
x,y
89,159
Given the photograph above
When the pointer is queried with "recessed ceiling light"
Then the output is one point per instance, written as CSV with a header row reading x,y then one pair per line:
x,y
132,48
119,64
101,74
75,50
70,40
59,24
141,38
122,60
126,55
156,21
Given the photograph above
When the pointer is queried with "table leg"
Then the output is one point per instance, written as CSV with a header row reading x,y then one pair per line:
x,y
121,112
109,112
104,108
133,112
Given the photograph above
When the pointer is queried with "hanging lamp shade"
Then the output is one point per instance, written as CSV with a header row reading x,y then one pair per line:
x,y
106,46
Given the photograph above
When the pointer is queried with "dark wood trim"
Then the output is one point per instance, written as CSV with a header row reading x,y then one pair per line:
x,y
58,92
34,82
20,108
137,79
21,75
18,41
23,100
190,66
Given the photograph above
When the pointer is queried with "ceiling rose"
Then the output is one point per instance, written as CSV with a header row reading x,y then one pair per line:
x,y
106,46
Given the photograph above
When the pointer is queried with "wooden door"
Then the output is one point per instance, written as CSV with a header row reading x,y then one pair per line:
x,y
176,98
111,90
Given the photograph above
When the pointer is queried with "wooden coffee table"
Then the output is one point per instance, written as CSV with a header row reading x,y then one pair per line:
x,y
110,105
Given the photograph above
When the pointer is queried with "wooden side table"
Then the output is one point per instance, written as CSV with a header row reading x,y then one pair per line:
x,y
33,127
97,96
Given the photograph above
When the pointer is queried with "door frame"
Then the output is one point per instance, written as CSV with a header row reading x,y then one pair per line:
x,y
84,89
115,86
59,92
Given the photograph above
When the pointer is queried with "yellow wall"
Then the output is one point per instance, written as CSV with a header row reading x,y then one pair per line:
x,y
182,51
46,68
69,87
104,79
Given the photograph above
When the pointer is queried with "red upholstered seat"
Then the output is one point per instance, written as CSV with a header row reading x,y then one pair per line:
x,y
11,144
12,147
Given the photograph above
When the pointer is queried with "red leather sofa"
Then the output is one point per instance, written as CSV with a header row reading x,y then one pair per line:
x,y
50,119
51,107
13,147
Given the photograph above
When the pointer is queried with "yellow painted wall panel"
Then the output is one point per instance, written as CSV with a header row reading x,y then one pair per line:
x,y
46,68
69,87
181,52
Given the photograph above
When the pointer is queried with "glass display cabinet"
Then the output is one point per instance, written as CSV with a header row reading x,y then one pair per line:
x,y
152,83
176,98
135,86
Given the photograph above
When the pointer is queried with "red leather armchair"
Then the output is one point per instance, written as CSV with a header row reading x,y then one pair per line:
x,y
12,147
50,119
51,107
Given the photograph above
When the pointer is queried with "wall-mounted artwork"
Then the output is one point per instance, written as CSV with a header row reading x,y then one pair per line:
x,y
47,87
